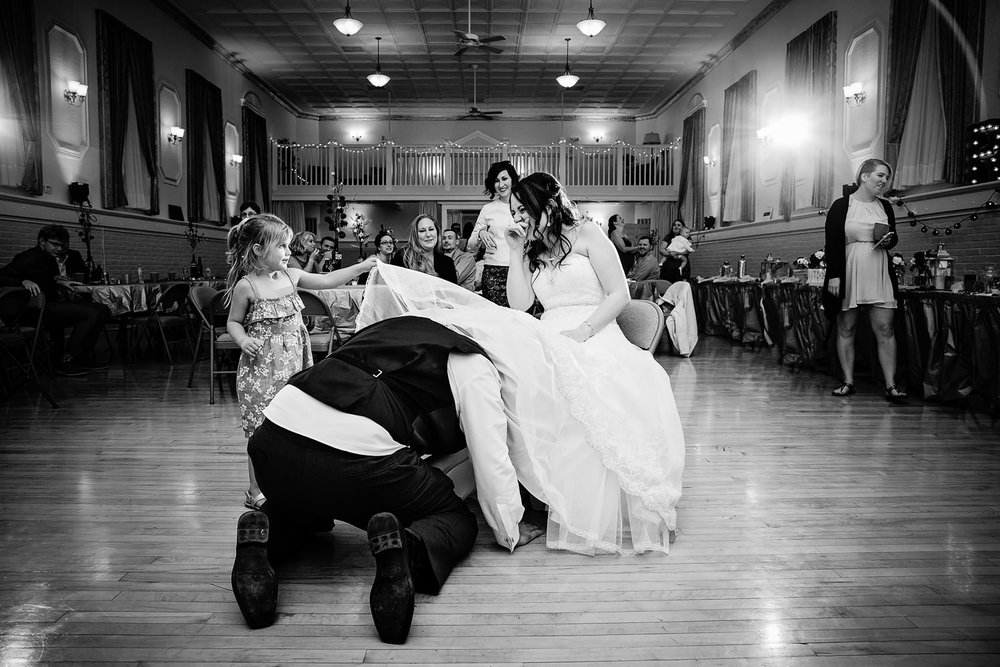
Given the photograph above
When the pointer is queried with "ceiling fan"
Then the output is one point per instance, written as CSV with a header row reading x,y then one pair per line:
x,y
470,39
474,112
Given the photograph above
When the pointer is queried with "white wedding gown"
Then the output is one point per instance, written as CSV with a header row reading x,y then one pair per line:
x,y
592,428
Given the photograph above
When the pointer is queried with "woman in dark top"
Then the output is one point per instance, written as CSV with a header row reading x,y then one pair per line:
x,y
670,269
421,251
859,274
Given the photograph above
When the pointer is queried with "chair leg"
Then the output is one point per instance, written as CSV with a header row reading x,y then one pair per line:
x,y
211,369
194,359
30,375
163,337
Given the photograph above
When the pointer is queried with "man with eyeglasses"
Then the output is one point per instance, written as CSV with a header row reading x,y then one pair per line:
x,y
37,270
331,261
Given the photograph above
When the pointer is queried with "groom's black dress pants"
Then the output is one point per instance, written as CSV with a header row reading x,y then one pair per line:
x,y
308,485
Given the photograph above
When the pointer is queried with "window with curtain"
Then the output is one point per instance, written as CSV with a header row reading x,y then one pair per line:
x,y
691,184
256,185
935,60
810,94
738,161
205,148
126,106
20,115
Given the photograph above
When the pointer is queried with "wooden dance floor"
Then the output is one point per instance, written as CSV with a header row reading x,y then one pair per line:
x,y
813,530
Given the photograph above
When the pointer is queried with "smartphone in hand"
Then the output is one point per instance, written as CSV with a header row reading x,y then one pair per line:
x,y
884,241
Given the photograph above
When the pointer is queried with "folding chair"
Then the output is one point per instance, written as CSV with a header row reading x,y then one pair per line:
x,y
320,341
13,338
212,314
169,311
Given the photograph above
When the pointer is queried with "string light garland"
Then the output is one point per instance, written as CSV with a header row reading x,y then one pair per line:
x,y
348,148
990,204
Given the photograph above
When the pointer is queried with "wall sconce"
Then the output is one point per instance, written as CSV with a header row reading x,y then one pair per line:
x,y
765,134
854,94
175,135
356,137
709,162
597,138
236,160
76,93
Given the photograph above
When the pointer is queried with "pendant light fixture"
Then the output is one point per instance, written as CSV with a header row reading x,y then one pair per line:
x,y
378,79
347,24
567,79
590,26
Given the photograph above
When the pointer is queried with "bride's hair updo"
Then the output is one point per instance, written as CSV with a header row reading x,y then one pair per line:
x,y
542,193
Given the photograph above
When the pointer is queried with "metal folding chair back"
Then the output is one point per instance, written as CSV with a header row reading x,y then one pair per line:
x,y
212,314
320,341
14,337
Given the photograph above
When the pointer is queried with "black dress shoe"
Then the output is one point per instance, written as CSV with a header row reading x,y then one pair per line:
x,y
255,584
393,589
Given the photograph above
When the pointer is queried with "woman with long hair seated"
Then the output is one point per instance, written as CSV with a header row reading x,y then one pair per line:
x,y
306,253
421,252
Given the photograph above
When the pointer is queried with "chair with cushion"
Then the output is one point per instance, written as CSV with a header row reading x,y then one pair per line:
x,y
212,315
642,323
17,341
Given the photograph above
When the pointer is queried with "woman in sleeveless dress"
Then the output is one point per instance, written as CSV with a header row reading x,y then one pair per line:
x,y
858,274
592,427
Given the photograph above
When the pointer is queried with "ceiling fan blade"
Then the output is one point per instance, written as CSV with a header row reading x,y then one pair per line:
x,y
461,50
491,49
491,113
492,38
464,35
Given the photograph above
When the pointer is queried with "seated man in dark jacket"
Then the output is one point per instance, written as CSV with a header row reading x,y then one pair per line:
x,y
37,270
343,441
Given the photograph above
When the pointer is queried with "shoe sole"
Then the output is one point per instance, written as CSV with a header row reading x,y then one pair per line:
x,y
392,594
255,584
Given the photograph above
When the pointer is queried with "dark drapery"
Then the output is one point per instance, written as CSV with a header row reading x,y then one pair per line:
x,y
960,51
960,54
739,132
204,113
17,63
810,76
692,172
124,60
906,25
255,158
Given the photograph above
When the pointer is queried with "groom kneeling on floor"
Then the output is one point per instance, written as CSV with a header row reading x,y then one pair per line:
x,y
343,440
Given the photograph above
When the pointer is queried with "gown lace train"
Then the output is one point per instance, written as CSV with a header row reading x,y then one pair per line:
x,y
592,428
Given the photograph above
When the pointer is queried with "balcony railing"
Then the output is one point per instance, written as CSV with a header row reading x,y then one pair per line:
x,y
392,171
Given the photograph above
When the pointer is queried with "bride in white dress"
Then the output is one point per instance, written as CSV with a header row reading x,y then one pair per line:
x,y
592,428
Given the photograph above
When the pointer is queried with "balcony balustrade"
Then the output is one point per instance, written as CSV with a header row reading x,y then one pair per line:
x,y
391,171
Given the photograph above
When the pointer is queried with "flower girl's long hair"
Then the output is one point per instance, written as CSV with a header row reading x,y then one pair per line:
x,y
264,229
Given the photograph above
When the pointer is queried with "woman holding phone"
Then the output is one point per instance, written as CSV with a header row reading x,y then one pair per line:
x,y
860,230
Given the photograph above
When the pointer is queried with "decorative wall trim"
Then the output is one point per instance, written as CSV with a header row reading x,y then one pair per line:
x,y
68,126
863,60
171,113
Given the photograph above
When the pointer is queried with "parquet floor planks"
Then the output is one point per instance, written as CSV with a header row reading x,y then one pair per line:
x,y
813,531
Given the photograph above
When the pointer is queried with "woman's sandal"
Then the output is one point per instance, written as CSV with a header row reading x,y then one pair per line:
x,y
253,502
894,394
846,389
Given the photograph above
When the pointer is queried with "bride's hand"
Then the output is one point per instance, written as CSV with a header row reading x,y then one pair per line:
x,y
579,334
516,235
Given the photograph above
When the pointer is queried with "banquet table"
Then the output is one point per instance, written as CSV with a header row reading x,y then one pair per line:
x,y
133,297
948,344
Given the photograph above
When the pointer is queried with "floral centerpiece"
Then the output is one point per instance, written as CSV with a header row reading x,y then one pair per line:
x,y
192,236
358,225
898,267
